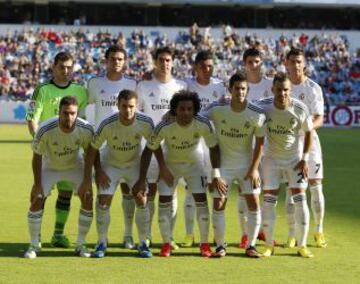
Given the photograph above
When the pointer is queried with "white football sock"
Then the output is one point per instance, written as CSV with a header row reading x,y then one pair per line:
x,y
202,212
128,206
302,218
189,213
85,219
174,205
290,213
142,222
102,221
242,212
318,206
151,205
165,221
269,216
34,222
254,222
218,220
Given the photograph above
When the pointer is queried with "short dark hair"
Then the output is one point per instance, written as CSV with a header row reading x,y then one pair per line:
x,y
115,48
161,50
252,52
295,52
203,55
62,57
127,95
280,77
184,95
68,101
239,76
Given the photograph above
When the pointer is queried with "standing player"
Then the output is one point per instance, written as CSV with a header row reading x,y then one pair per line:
x,y
181,138
57,157
286,117
154,100
120,160
209,89
310,93
103,92
259,88
45,105
236,124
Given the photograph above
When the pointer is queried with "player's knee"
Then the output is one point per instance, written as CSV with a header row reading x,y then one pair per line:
x,y
314,182
219,204
65,194
37,203
140,201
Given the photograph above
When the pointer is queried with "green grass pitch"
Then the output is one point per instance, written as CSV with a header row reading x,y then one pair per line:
x,y
339,263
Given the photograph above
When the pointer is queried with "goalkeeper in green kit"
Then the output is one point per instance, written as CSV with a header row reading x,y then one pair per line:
x,y
45,105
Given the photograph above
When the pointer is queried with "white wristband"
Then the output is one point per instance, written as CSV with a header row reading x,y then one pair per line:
x,y
216,173
305,157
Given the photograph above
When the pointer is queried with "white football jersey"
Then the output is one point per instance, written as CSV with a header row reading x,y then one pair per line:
x,y
154,96
103,93
283,128
261,90
123,142
180,144
60,150
235,132
208,94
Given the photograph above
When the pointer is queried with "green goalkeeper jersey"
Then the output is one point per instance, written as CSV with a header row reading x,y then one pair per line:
x,y
46,99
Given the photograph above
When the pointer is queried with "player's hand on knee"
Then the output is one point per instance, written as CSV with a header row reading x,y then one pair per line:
x,y
254,178
167,176
139,188
220,185
37,192
302,166
102,179
84,189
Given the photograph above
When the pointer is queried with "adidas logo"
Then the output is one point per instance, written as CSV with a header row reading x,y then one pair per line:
x,y
102,92
151,94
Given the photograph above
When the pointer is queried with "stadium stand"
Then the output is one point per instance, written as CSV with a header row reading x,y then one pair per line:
x,y
25,56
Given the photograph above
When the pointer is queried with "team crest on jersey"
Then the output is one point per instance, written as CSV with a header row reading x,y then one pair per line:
x,y
115,138
247,125
215,94
173,138
302,96
292,122
223,121
137,136
196,135
55,143
77,142
151,94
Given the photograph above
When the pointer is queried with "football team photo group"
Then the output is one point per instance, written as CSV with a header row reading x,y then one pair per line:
x,y
156,138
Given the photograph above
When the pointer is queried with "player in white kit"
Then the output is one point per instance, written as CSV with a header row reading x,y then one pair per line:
x,y
310,93
123,133
154,101
180,159
103,92
57,147
237,123
259,88
286,118
209,89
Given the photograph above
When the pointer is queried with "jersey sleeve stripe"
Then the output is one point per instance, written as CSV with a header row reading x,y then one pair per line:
x,y
255,108
161,125
145,119
205,121
107,121
46,128
84,125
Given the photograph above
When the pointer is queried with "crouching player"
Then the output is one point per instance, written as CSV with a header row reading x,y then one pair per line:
x,y
120,160
286,117
181,139
57,157
236,124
